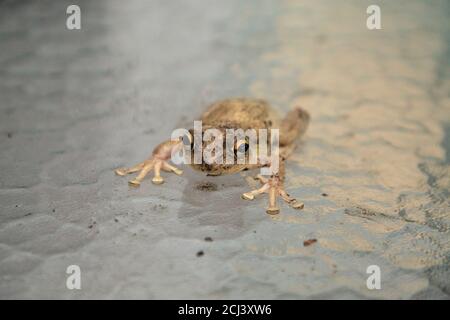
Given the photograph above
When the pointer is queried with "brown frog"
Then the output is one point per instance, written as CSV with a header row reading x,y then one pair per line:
x,y
238,113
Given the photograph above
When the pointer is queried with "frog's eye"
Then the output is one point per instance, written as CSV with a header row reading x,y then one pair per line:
x,y
187,139
241,147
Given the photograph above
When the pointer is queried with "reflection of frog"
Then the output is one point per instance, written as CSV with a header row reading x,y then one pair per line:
x,y
243,114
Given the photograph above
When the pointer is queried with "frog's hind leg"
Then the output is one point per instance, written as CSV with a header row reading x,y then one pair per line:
x,y
293,126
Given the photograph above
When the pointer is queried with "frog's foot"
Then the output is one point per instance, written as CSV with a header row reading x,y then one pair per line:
x,y
274,188
145,167
156,165
158,162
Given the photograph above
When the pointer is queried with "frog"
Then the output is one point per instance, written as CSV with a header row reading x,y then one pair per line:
x,y
235,113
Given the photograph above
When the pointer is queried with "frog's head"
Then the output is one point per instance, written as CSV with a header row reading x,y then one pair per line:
x,y
216,151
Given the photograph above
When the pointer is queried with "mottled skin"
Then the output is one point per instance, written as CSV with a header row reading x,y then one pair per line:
x,y
239,113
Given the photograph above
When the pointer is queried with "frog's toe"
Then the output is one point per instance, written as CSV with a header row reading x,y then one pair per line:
x,y
273,210
297,205
169,168
121,172
158,180
248,196
124,171
178,172
134,183
294,203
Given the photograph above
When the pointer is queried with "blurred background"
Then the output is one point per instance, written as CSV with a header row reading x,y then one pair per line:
x,y
373,168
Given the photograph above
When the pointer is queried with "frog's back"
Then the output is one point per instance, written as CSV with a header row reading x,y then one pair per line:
x,y
240,113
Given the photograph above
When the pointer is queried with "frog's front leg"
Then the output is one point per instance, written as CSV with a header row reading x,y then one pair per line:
x,y
274,187
293,126
157,162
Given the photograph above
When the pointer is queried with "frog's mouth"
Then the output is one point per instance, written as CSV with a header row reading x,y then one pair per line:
x,y
218,169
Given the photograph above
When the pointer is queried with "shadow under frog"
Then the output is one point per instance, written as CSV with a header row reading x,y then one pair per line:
x,y
210,201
